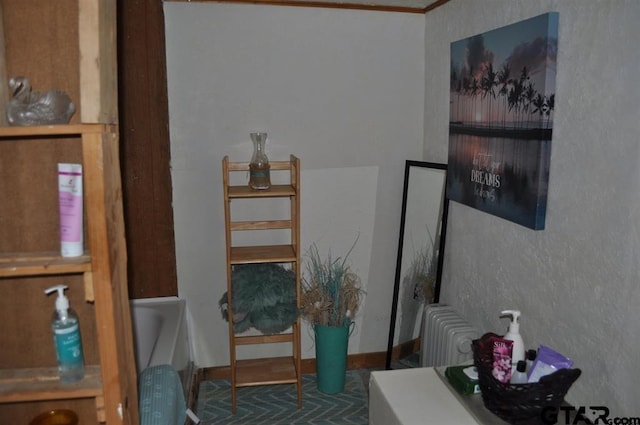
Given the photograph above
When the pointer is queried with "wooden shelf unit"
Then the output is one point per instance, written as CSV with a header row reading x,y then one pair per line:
x,y
68,45
112,383
278,370
34,384
41,263
272,371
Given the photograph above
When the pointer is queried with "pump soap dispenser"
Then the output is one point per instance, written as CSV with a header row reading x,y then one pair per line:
x,y
66,338
514,335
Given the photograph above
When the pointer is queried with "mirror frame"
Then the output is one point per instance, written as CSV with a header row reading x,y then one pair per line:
x,y
439,238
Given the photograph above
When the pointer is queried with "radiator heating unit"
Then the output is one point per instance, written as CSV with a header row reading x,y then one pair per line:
x,y
446,337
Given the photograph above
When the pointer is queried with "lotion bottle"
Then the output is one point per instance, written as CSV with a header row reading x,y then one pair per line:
x,y
66,338
70,208
513,334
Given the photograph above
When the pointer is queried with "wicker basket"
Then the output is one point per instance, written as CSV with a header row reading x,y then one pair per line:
x,y
518,403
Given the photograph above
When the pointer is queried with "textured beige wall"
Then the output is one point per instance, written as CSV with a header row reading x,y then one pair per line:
x,y
577,282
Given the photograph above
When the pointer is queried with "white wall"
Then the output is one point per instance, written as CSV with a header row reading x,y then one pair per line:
x,y
341,89
577,282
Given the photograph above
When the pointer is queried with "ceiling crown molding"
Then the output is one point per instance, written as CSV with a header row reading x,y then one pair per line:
x,y
402,6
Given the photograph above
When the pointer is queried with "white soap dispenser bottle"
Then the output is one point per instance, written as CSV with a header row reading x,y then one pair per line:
x,y
513,334
66,338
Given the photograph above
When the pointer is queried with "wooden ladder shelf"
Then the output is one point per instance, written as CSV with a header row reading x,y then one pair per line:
x,y
280,370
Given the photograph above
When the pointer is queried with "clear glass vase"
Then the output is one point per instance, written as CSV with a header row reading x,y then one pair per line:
x,y
259,176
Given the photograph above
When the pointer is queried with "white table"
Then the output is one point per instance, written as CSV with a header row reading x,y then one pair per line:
x,y
421,396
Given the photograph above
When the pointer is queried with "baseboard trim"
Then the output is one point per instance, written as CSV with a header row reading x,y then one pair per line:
x,y
405,349
354,361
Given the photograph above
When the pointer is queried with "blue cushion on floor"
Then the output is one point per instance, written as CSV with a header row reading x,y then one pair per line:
x,y
161,400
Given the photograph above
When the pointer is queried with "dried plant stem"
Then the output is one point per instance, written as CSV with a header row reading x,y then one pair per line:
x,y
331,291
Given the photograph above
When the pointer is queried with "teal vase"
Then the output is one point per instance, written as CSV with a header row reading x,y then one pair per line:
x,y
331,357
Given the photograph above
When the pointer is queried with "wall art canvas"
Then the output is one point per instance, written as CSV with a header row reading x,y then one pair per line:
x,y
501,108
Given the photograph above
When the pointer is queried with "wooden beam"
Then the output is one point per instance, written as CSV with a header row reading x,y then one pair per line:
x,y
98,62
4,92
145,155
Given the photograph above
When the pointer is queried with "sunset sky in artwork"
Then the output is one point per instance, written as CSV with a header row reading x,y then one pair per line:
x,y
531,44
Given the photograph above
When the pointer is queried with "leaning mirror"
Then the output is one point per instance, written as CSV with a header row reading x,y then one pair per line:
x,y
420,255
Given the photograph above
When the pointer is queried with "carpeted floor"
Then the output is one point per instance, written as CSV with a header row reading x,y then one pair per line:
x,y
277,404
